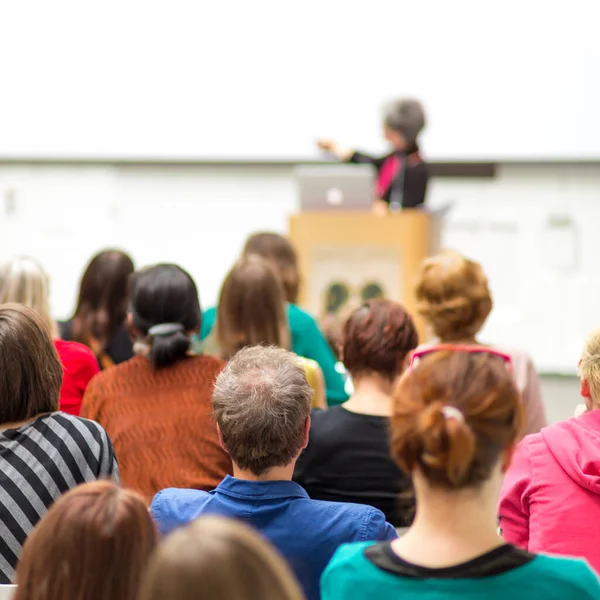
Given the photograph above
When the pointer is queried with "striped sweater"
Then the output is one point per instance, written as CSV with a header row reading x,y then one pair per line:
x,y
160,422
39,462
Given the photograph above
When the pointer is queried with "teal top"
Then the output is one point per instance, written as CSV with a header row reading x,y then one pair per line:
x,y
307,341
352,576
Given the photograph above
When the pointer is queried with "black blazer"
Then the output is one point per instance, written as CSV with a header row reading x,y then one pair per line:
x,y
410,184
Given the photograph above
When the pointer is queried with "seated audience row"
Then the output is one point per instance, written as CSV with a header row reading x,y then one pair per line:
x,y
99,318
43,452
251,312
456,419
262,408
23,281
98,542
348,455
156,407
304,335
550,500
454,298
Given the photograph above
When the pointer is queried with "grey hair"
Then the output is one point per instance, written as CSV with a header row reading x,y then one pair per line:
x,y
405,116
261,402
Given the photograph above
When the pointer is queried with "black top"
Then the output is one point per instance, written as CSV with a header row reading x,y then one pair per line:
x,y
410,183
119,348
495,562
348,460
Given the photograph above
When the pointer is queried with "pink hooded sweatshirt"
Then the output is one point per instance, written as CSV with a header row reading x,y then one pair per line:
x,y
550,500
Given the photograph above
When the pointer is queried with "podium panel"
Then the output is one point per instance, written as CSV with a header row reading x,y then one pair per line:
x,y
346,258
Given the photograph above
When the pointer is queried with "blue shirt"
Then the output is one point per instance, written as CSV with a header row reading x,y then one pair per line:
x,y
306,532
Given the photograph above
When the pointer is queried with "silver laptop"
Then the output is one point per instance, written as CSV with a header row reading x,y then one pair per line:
x,y
331,187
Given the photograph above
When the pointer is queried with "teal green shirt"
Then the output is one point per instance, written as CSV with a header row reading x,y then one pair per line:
x,y
307,341
352,576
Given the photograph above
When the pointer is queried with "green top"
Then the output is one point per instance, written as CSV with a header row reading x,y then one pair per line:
x,y
307,341
352,576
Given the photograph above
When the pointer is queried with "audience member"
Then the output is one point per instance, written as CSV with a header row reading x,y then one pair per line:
x,y
157,406
454,298
305,336
218,559
551,492
457,416
99,319
348,454
94,544
262,408
251,312
43,453
22,280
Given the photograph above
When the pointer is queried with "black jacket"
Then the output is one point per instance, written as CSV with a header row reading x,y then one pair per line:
x,y
410,184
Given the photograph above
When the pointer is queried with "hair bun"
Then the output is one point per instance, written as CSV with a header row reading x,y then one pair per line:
x,y
447,442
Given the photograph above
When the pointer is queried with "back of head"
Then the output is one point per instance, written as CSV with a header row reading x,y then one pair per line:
x,y
94,544
407,117
31,370
23,281
165,309
251,307
589,366
454,415
261,403
278,250
218,559
376,339
453,296
102,304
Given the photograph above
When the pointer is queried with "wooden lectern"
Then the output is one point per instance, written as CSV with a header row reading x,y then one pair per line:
x,y
345,258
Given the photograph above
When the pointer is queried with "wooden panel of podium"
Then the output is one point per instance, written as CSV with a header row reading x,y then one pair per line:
x,y
348,257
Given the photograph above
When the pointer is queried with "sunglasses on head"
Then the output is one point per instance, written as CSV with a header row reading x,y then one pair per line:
x,y
469,348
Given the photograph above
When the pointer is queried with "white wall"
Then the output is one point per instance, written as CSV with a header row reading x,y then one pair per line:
x,y
544,279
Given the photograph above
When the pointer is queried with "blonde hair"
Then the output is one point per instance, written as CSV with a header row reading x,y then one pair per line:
x,y
24,281
453,295
218,559
251,307
589,367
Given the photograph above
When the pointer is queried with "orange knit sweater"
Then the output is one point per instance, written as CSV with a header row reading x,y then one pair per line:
x,y
160,423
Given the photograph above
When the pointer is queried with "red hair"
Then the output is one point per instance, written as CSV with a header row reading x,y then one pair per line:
x,y
455,451
377,337
93,544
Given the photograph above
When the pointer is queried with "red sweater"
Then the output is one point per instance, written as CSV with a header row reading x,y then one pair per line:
x,y
161,423
80,365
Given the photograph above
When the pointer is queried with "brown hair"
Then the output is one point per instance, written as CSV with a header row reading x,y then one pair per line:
x,y
261,403
102,304
453,296
218,559
279,251
455,451
251,307
93,544
377,337
31,370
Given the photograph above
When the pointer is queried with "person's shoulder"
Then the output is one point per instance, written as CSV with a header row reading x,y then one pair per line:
x,y
348,522
173,507
572,575
299,317
204,365
348,561
77,426
74,351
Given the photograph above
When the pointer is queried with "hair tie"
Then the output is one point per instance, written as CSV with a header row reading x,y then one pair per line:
x,y
451,412
163,329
